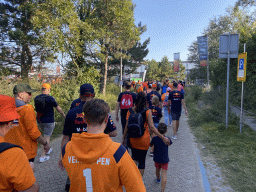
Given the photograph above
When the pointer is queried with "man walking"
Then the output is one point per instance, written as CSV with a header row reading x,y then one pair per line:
x,y
99,164
26,133
15,171
74,122
44,104
176,98
152,94
125,101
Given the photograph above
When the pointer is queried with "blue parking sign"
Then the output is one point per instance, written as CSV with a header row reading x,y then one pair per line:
x,y
241,64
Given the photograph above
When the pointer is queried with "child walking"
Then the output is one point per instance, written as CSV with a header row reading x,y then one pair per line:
x,y
161,157
156,115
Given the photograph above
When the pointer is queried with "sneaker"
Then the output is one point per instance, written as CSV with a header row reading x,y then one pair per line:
x,y
158,181
49,152
32,165
174,137
151,154
43,159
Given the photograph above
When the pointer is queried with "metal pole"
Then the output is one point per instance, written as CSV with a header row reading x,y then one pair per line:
x,y
242,96
227,81
207,66
121,70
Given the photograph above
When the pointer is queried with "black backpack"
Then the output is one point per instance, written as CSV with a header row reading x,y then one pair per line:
x,y
136,124
40,103
4,146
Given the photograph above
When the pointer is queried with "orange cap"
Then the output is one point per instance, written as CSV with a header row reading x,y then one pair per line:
x,y
8,110
46,86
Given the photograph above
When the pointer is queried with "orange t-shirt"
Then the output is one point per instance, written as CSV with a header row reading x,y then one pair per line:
x,y
140,89
15,171
171,85
143,142
163,98
145,85
26,132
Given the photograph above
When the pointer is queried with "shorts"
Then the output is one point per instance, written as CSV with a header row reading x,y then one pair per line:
x,y
161,166
47,128
175,115
139,156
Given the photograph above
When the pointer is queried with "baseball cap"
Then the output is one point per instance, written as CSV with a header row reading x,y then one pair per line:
x,y
46,86
21,88
8,110
154,86
85,88
168,89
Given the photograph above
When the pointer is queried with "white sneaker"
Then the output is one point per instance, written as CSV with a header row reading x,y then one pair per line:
x,y
43,159
174,137
49,152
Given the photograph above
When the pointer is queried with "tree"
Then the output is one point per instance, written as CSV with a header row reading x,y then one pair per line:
x,y
165,69
153,70
135,58
91,32
115,21
20,43
64,28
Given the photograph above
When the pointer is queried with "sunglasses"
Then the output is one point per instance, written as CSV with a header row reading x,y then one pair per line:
x,y
29,93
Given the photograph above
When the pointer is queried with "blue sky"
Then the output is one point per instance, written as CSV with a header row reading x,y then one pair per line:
x,y
173,25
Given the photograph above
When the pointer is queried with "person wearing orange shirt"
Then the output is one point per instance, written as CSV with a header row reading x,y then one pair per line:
x,y
96,163
139,146
15,171
140,89
26,133
145,86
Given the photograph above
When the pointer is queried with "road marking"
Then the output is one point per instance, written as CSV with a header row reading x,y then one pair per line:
x,y
206,184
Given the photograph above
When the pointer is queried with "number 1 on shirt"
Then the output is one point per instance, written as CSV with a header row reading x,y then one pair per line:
x,y
87,173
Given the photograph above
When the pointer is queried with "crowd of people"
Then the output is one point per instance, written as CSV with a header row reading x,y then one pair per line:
x,y
92,160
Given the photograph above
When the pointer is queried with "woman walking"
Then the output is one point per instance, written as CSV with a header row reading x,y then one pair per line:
x,y
139,146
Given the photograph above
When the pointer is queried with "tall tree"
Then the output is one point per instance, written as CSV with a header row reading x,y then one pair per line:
x,y
153,70
134,56
64,28
20,44
115,21
165,68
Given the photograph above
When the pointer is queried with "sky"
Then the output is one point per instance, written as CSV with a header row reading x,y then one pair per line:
x,y
173,25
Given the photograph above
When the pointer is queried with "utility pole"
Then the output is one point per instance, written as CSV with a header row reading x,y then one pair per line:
x,y
121,76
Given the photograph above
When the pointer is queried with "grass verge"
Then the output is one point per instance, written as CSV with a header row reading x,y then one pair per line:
x,y
235,153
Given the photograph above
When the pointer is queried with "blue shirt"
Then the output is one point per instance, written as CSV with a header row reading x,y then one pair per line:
x,y
156,113
74,122
176,97
75,103
160,150
151,95
46,115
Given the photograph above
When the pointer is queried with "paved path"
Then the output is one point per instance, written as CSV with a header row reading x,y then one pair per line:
x,y
248,119
183,175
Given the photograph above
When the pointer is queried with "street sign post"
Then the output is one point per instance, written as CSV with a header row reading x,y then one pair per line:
x,y
241,67
241,76
228,48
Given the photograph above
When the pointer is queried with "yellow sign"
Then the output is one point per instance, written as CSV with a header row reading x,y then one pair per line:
x,y
241,67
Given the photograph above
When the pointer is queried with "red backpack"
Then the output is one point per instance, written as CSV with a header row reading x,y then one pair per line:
x,y
126,101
